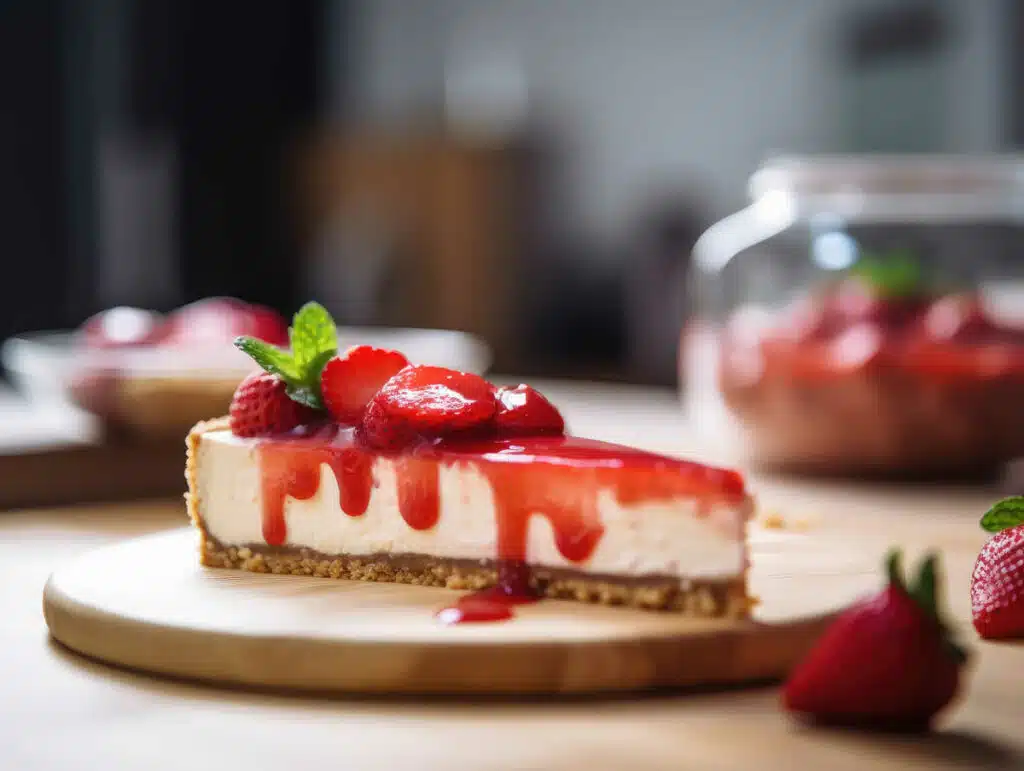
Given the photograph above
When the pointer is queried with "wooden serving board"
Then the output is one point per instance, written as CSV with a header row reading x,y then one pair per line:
x,y
146,604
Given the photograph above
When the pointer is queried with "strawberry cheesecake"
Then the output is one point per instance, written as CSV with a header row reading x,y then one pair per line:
x,y
362,466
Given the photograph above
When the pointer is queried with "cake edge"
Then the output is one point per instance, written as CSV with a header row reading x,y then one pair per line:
x,y
699,598
192,487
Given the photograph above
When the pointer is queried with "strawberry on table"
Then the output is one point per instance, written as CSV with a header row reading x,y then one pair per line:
x,y
887,662
997,584
349,381
262,406
525,411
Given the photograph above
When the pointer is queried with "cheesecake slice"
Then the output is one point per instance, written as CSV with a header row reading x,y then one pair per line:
x,y
588,520
362,466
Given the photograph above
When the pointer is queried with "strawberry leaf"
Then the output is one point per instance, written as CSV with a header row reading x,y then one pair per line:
x,y
313,335
1007,513
925,592
270,357
894,567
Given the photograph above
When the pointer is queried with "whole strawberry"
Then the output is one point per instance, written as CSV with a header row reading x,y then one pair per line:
x,y
287,393
997,584
887,662
261,405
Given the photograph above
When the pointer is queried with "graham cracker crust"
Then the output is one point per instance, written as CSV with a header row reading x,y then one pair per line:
x,y
718,598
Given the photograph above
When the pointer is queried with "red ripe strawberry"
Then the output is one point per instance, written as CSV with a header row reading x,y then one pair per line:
x,y
524,411
427,401
997,584
886,662
261,406
382,432
349,381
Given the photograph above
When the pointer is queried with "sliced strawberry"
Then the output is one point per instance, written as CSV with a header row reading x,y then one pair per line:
x,y
524,411
349,381
959,319
382,432
262,406
436,400
427,402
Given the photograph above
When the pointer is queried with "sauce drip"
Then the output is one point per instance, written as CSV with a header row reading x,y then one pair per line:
x,y
291,467
496,603
557,478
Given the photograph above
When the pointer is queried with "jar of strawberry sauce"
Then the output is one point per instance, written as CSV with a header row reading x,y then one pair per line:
x,y
865,316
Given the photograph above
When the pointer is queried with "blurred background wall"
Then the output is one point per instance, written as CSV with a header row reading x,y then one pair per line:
x,y
666,94
535,172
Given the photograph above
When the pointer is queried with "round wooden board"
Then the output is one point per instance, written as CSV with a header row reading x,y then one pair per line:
x,y
146,604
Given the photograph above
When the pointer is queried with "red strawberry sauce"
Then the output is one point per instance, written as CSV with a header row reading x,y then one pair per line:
x,y
550,476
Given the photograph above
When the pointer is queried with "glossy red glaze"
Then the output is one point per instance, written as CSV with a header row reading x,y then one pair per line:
x,y
419,499
496,603
291,467
554,477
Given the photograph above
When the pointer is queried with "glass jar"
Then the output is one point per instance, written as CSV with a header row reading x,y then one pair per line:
x,y
865,315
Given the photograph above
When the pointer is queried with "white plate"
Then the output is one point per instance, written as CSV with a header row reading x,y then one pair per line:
x,y
41,363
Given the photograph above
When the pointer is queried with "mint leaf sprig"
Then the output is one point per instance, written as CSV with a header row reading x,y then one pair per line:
x,y
894,275
1003,515
314,341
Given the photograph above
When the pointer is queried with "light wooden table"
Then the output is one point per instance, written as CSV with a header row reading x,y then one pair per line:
x,y
58,711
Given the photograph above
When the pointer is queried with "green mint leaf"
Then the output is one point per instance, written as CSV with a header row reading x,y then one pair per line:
x,y
314,341
893,275
304,394
312,335
315,367
1007,513
270,357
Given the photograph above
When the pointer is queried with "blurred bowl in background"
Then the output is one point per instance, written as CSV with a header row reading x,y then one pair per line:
x,y
146,391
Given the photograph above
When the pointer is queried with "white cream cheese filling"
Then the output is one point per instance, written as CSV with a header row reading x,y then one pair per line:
x,y
655,537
